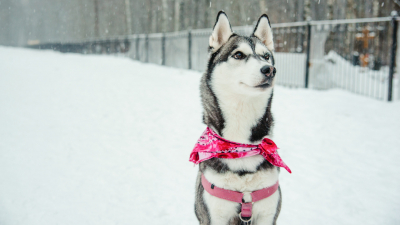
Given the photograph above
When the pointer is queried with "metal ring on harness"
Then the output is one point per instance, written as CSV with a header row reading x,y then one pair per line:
x,y
243,220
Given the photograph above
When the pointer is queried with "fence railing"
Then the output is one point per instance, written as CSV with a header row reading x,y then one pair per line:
x,y
357,55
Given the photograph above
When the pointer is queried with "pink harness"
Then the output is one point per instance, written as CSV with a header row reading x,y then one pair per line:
x,y
211,145
235,196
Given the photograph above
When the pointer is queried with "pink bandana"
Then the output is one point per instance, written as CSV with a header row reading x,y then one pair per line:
x,y
211,145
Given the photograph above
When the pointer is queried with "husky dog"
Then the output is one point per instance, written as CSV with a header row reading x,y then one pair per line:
x,y
236,92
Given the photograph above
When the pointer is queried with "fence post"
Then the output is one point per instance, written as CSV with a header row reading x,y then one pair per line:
x,y
147,47
393,55
163,49
190,50
137,48
308,54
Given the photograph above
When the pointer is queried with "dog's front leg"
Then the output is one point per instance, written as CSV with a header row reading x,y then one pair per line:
x,y
267,210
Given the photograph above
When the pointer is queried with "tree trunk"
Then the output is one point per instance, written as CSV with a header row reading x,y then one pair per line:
x,y
128,17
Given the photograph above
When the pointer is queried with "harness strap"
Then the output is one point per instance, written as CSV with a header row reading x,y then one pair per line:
x,y
246,209
265,192
235,196
229,195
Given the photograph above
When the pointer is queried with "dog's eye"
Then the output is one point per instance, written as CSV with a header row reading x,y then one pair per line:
x,y
266,56
238,55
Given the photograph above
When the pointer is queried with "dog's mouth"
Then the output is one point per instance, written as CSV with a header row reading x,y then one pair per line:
x,y
264,85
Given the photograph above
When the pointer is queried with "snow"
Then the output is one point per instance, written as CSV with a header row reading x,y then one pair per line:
x,y
106,140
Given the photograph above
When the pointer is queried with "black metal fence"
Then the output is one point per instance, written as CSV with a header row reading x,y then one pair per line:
x,y
357,55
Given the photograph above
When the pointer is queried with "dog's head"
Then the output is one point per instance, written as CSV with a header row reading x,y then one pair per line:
x,y
238,64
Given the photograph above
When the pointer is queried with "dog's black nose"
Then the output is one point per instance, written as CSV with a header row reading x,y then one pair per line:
x,y
268,70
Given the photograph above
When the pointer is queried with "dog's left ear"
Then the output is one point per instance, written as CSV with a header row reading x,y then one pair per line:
x,y
263,31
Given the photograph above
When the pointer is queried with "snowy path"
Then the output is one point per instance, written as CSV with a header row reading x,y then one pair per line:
x,y
105,140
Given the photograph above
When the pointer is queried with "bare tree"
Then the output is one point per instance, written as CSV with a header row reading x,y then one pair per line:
x,y
177,11
96,18
128,16
23,21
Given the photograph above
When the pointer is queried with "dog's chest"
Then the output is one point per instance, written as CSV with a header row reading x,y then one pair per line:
x,y
247,183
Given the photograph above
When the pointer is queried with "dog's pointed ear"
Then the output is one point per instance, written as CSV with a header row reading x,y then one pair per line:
x,y
221,32
263,31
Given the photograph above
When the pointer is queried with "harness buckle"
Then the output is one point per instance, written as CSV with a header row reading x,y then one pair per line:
x,y
246,211
245,221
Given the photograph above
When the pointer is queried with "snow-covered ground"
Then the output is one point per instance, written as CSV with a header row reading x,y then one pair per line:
x,y
106,140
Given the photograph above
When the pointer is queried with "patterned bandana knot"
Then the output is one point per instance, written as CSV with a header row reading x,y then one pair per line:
x,y
268,146
211,145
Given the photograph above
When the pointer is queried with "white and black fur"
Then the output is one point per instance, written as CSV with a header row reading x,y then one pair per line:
x,y
236,95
